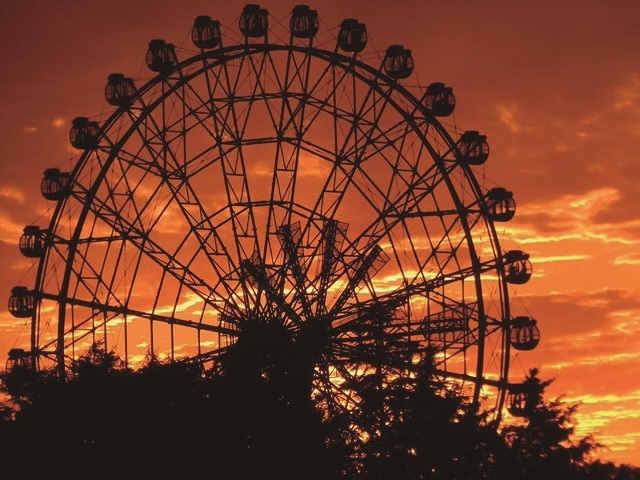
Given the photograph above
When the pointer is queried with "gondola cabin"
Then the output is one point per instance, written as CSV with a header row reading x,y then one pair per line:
x,y
501,205
32,243
518,403
398,62
352,37
17,358
473,147
120,90
55,184
439,100
84,133
525,334
205,33
303,22
254,21
22,302
161,56
517,267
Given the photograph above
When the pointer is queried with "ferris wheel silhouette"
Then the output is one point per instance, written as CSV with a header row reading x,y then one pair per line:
x,y
278,187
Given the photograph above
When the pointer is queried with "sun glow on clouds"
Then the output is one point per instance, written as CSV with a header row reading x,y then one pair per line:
x,y
56,123
578,207
192,300
619,443
599,360
506,114
12,324
612,399
629,259
561,258
593,421
628,321
597,411
12,193
535,237
10,231
309,166
628,95
588,304
570,217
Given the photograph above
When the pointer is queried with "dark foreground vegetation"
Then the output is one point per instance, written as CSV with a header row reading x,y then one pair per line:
x,y
249,420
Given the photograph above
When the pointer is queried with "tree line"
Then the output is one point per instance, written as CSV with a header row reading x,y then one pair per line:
x,y
253,416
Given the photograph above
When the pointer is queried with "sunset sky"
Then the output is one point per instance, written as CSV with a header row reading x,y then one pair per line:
x,y
554,85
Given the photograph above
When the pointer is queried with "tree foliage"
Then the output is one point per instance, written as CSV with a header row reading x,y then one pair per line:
x,y
543,446
253,417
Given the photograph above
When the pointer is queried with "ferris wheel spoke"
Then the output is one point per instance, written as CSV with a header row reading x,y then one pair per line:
x,y
208,107
342,167
366,265
93,280
197,164
235,175
280,204
376,137
289,236
405,213
167,261
268,87
380,141
395,212
341,382
274,297
200,226
286,159
451,331
320,98
418,289
220,95
406,187
125,313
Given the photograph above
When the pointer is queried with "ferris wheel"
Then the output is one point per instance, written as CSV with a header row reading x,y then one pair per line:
x,y
281,185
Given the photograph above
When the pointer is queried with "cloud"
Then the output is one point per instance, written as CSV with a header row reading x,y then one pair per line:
x,y
10,231
576,206
633,396
561,258
506,115
628,259
600,360
574,217
628,94
192,300
577,325
12,193
571,143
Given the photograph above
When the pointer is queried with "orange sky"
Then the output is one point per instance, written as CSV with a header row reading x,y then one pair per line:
x,y
555,86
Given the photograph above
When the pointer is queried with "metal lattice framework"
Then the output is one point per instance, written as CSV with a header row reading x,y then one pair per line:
x,y
276,186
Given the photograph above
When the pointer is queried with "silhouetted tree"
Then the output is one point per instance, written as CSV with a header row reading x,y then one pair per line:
x,y
262,385
431,430
599,470
102,416
543,446
388,359
251,417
